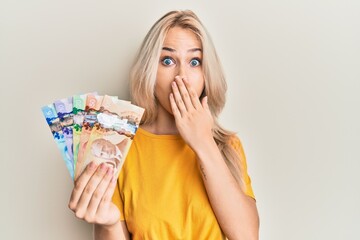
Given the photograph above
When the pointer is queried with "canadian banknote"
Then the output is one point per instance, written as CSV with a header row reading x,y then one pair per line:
x,y
54,123
89,127
64,109
112,135
79,103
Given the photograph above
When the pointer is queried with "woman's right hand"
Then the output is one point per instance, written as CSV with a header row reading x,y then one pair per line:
x,y
91,198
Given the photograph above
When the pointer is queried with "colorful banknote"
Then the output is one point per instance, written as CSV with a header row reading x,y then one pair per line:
x,y
79,103
92,107
64,109
90,127
112,135
54,123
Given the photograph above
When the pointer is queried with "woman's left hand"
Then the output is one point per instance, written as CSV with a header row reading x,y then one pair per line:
x,y
193,118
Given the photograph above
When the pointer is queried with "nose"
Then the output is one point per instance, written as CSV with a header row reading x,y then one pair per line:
x,y
182,70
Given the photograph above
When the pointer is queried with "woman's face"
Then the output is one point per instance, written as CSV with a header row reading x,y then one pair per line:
x,y
181,55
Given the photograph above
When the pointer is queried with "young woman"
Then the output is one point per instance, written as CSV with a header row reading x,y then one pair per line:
x,y
185,177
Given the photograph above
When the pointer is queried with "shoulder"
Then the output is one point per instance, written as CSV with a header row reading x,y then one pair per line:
x,y
235,142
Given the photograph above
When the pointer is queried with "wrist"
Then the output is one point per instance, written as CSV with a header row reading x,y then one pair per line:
x,y
113,231
108,227
205,148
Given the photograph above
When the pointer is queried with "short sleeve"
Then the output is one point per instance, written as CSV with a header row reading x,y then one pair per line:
x,y
117,200
236,143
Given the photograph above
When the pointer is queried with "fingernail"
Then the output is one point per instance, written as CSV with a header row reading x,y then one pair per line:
x,y
109,171
103,166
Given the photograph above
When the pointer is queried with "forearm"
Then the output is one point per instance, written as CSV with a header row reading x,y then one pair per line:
x,y
114,232
234,210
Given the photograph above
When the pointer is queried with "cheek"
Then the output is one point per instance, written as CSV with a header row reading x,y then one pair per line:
x,y
201,87
198,85
165,73
197,80
163,82
162,89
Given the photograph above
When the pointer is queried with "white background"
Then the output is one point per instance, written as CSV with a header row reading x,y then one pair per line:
x,y
293,70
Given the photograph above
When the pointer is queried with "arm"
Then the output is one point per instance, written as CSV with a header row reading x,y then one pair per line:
x,y
236,213
116,232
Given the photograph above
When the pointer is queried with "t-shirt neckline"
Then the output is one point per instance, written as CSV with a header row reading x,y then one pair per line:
x,y
158,136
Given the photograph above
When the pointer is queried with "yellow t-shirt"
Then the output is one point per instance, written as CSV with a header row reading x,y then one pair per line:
x,y
160,192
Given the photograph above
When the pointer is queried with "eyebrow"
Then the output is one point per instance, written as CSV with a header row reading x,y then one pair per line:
x,y
190,50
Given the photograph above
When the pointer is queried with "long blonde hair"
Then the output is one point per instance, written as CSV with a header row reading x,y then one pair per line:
x,y
143,78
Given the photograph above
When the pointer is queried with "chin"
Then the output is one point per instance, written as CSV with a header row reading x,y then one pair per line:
x,y
169,111
165,109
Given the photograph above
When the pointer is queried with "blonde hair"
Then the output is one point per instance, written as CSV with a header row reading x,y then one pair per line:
x,y
143,78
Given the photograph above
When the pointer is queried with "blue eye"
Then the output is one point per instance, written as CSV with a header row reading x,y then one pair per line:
x,y
167,61
195,62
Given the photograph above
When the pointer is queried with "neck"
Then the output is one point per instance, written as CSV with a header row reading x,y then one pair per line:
x,y
163,125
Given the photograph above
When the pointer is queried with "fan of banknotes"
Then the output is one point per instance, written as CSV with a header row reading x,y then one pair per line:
x,y
91,127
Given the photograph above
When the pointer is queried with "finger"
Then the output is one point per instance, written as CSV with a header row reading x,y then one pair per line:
x,y
80,184
174,108
205,105
184,93
89,190
178,99
98,195
107,198
193,95
105,205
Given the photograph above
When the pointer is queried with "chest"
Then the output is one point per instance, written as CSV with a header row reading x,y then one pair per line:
x,y
163,191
